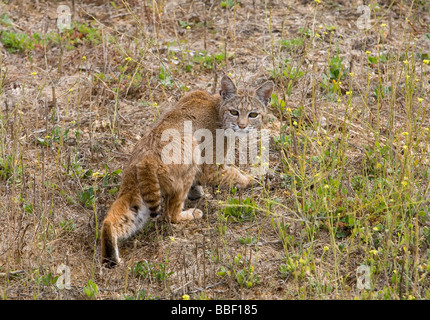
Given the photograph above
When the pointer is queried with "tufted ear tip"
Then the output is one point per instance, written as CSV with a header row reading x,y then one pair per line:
x,y
264,92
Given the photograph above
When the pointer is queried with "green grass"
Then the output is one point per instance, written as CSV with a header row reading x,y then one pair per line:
x,y
349,173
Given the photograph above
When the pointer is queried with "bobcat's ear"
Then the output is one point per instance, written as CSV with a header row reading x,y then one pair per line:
x,y
264,92
228,89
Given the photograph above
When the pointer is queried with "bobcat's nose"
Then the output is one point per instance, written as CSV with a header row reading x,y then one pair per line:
x,y
242,125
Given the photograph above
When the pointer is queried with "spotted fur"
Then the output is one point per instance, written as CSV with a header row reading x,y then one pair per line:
x,y
146,179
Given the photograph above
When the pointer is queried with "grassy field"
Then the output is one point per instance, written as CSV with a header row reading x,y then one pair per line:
x,y
343,212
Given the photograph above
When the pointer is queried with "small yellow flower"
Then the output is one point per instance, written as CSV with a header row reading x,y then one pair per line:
x,y
97,174
368,52
319,143
325,248
317,1
420,99
128,59
383,25
33,73
188,27
426,61
326,186
405,61
295,123
71,89
185,297
229,74
405,147
84,58
348,93
288,110
404,183
405,133
155,104
351,74
378,165
374,252
172,239
427,129
375,228
317,35
302,261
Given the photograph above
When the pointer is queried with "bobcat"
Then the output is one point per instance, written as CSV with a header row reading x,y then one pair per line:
x,y
147,178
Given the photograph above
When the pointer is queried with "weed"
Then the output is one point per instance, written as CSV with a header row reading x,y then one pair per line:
x,y
158,271
240,211
90,290
336,72
141,295
243,272
17,42
87,197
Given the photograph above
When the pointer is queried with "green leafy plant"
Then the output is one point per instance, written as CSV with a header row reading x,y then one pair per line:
x,y
240,211
17,42
8,168
86,197
292,44
243,272
165,78
229,4
158,271
248,240
140,295
336,72
90,290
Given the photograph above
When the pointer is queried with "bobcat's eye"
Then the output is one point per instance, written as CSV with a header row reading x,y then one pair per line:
x,y
134,209
234,112
253,114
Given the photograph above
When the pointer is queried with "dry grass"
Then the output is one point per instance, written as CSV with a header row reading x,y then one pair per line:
x,y
343,190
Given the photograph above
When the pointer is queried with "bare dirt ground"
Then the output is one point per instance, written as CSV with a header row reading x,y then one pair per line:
x,y
74,104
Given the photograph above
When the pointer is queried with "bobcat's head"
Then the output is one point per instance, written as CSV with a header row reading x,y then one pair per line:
x,y
243,111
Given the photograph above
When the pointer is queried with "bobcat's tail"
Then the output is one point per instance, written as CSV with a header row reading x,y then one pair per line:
x,y
110,256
